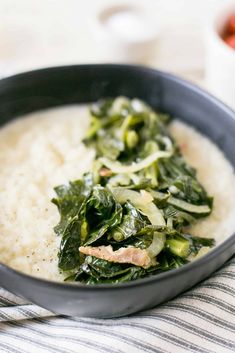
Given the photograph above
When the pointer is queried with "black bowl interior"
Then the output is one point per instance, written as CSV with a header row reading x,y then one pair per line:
x,y
52,87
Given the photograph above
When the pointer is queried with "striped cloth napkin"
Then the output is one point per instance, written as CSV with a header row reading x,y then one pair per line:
x,y
201,320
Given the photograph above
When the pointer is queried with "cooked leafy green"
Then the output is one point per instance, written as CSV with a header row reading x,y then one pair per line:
x,y
132,222
100,271
129,217
71,202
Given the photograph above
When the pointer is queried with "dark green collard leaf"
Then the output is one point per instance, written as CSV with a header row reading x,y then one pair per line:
x,y
161,201
72,226
191,190
143,240
179,218
175,172
103,213
132,222
132,274
168,261
102,132
109,147
97,234
196,243
106,145
105,268
174,167
101,109
69,246
154,125
70,201
100,206
97,271
85,217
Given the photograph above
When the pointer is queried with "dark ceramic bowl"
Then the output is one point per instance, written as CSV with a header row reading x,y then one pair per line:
x,y
41,89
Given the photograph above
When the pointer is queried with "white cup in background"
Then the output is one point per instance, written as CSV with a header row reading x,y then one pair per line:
x,y
220,58
124,33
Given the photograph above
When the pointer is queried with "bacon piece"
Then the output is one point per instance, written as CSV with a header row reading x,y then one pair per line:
x,y
105,172
131,255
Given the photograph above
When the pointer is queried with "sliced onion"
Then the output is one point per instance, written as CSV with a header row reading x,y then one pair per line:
x,y
168,143
183,205
153,213
157,244
118,104
117,167
141,200
147,197
189,207
158,195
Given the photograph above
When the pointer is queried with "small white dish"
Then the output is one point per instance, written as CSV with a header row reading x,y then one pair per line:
x,y
220,58
124,33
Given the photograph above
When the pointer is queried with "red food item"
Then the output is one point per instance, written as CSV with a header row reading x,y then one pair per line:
x,y
230,40
231,25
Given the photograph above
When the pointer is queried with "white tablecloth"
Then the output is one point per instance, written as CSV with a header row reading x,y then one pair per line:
x,y
201,320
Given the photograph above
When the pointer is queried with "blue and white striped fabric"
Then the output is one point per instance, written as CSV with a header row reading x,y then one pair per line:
x,y
201,320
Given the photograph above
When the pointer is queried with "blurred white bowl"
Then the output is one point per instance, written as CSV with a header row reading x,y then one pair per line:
x,y
220,58
124,33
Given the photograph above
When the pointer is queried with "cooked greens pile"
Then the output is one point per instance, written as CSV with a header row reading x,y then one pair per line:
x,y
128,218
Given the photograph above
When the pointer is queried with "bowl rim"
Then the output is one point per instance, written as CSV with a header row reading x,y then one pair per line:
x,y
204,260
